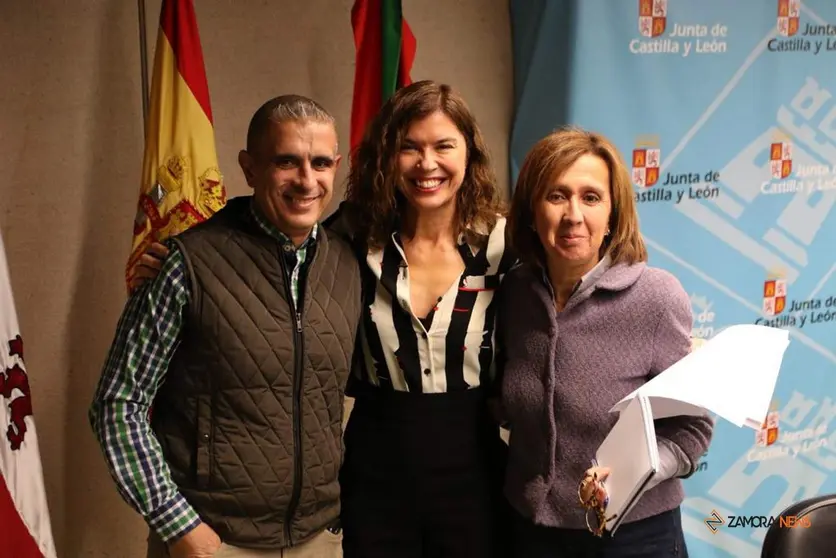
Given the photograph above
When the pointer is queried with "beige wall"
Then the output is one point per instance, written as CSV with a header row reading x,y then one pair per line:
x,y
70,156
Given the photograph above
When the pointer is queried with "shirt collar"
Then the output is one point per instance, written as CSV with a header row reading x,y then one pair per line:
x,y
271,230
589,279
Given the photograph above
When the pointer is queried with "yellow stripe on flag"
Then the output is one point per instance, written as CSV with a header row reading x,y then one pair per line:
x,y
181,182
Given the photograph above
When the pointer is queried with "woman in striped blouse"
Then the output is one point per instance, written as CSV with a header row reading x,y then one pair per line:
x,y
424,461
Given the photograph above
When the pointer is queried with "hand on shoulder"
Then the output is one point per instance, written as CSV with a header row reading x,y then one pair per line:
x,y
150,264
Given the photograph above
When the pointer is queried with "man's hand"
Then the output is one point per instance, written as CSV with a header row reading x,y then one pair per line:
x,y
200,542
149,265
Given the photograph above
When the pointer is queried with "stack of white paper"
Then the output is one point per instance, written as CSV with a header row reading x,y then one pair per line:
x,y
732,375
631,452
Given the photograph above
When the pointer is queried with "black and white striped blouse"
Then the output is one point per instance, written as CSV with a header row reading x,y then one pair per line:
x,y
454,347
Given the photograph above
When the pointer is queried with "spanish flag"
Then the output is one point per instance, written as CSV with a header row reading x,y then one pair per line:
x,y
181,183
385,50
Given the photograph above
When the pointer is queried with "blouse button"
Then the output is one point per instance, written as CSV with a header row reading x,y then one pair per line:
x,y
427,371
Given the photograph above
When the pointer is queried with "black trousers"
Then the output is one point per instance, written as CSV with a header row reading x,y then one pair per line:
x,y
659,536
422,478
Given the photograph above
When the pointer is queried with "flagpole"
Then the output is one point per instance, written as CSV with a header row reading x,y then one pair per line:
x,y
143,61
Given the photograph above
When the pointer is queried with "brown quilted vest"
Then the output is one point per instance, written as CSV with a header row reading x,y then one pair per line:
x,y
250,414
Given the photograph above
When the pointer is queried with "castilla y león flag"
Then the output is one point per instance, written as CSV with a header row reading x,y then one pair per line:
x,y
25,529
181,183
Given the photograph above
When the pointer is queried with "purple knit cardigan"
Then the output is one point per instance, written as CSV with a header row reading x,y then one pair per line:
x,y
563,371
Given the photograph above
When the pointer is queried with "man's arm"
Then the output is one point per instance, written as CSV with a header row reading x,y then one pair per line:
x,y
146,337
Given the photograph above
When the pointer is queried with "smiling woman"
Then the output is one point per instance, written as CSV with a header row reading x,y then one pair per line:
x,y
425,131
432,163
424,458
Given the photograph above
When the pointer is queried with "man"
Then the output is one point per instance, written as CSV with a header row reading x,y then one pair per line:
x,y
242,344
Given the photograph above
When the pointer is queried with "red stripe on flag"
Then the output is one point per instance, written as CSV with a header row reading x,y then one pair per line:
x,y
179,23
15,538
408,48
368,42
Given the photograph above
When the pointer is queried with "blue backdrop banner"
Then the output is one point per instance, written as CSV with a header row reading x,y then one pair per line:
x,y
726,113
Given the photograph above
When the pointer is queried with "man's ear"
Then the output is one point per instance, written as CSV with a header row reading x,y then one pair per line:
x,y
245,160
337,160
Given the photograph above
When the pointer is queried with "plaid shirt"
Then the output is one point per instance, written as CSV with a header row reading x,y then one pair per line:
x,y
147,335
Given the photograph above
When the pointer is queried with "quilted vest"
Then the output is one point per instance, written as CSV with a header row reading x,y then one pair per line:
x,y
250,414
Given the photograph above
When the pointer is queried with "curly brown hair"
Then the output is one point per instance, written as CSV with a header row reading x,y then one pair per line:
x,y
375,206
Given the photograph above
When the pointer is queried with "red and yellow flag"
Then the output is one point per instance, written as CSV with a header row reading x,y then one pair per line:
x,y
181,182
385,50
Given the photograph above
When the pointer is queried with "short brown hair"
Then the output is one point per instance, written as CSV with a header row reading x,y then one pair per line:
x,y
374,204
547,161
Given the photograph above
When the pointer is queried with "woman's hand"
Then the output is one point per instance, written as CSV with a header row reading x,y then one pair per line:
x,y
150,264
591,491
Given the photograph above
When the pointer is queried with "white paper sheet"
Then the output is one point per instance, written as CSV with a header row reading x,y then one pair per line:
x,y
732,375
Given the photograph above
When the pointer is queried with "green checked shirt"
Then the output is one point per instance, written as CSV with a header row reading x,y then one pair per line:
x,y
147,335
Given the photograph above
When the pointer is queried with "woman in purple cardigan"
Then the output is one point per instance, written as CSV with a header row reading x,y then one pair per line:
x,y
584,322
